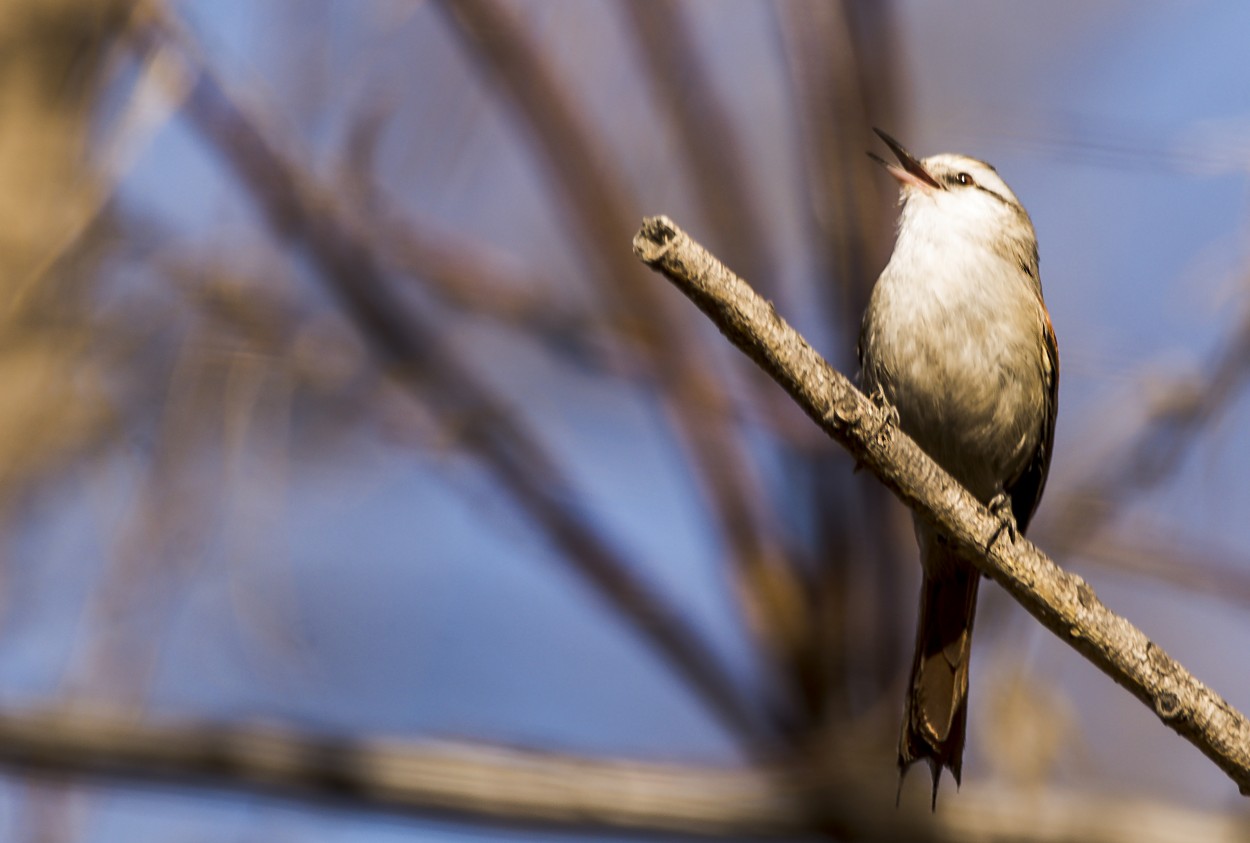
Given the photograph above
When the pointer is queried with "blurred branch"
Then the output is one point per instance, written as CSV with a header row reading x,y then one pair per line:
x,y
716,164
599,208
711,143
153,98
843,59
843,80
1185,563
1062,602
297,208
478,280
463,271
594,194
472,781
1158,445
493,784
57,408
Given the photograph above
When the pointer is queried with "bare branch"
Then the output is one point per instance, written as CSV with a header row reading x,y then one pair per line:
x,y
597,202
473,781
1188,563
486,783
1063,602
1158,444
843,60
298,208
711,143
483,783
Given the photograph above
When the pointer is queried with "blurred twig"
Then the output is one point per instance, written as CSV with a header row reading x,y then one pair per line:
x,y
465,272
471,781
154,97
842,61
711,143
1157,445
486,783
1062,602
1185,563
297,208
600,208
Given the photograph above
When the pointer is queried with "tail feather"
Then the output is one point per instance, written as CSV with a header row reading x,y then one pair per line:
x,y
936,712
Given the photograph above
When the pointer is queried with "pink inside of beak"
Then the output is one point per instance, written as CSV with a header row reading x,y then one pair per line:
x,y
906,178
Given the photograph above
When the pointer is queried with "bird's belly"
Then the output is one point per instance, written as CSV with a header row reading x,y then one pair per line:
x,y
970,391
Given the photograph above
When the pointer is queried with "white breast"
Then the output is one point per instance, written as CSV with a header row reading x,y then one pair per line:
x,y
954,338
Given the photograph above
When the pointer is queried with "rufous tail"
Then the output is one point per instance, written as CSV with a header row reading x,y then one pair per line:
x,y
936,710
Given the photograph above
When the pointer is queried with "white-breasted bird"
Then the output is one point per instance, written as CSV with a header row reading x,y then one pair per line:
x,y
958,340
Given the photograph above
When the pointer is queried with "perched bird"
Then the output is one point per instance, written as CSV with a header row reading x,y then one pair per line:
x,y
958,341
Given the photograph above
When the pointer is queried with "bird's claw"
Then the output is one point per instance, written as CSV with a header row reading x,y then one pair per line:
x,y
888,418
1000,507
875,427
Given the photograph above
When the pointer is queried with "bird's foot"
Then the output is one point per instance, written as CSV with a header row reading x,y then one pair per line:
x,y
888,416
885,419
1000,507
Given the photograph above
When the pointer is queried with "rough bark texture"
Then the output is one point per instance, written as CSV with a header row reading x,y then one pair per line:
x,y
1063,602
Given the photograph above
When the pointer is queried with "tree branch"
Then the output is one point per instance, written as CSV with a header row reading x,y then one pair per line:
x,y
1160,441
300,209
1063,602
597,200
471,781
494,784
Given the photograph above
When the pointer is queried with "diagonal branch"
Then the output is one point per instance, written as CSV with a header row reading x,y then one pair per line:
x,y
1063,602
298,208
712,146
1163,438
598,204
842,60
1183,562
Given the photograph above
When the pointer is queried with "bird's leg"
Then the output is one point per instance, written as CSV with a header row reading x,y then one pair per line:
x,y
1000,507
876,427
889,417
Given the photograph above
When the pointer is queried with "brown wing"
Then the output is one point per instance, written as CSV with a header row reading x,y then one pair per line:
x,y
1026,490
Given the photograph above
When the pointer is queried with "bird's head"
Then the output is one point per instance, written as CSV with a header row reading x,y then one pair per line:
x,y
956,194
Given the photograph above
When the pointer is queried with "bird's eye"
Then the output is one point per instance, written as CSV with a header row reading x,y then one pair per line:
x,y
964,179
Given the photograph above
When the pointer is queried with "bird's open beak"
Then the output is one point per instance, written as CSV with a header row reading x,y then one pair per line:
x,y
911,172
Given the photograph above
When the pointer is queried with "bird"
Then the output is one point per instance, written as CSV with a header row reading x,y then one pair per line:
x,y
957,344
